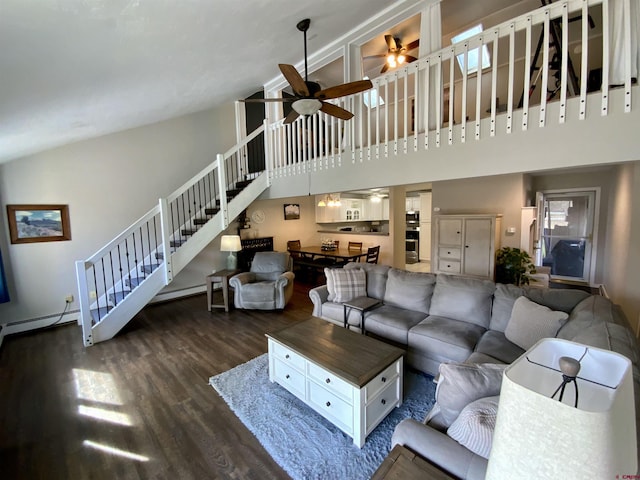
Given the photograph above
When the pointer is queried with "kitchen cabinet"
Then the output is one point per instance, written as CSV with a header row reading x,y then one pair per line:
x,y
412,204
351,210
425,227
376,210
466,244
327,214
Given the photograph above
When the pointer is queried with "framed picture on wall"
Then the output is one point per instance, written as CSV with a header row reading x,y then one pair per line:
x,y
38,223
291,211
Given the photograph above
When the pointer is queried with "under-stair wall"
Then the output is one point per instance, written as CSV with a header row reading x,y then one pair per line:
x,y
122,277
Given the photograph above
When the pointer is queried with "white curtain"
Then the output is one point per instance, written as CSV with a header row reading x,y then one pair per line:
x,y
617,16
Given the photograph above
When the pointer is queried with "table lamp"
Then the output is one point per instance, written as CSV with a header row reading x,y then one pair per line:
x,y
588,431
231,244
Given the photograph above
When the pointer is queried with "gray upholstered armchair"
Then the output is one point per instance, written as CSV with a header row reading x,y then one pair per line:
x,y
269,284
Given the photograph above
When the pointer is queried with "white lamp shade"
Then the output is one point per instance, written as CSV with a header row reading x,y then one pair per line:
x,y
230,243
540,436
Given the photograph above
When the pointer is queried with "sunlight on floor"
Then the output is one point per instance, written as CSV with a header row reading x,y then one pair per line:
x,y
105,415
96,387
115,451
418,267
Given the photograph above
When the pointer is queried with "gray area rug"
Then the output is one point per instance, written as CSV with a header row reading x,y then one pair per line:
x,y
301,441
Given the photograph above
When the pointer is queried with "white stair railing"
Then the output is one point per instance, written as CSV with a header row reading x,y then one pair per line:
x,y
433,102
124,275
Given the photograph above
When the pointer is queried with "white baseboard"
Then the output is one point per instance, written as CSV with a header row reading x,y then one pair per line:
x,y
74,316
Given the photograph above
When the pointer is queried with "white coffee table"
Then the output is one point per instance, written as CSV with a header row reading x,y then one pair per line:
x,y
352,380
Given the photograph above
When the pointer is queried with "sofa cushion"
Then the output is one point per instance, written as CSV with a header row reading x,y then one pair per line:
x,y
459,384
409,290
531,322
463,298
445,339
593,310
259,293
376,277
392,322
563,299
475,425
495,345
345,285
503,299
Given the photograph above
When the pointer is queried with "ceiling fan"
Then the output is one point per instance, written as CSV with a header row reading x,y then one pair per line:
x,y
308,96
396,52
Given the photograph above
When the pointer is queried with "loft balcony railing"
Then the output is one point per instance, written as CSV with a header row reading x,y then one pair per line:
x,y
548,56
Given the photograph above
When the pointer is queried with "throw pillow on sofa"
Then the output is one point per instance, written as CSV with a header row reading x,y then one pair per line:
x,y
344,285
409,290
475,425
531,322
463,298
459,384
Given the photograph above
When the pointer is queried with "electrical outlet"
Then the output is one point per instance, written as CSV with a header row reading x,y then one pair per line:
x,y
69,299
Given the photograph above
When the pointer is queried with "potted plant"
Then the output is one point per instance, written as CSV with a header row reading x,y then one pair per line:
x,y
513,266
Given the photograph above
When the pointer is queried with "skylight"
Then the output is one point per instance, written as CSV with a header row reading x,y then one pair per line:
x,y
371,98
472,55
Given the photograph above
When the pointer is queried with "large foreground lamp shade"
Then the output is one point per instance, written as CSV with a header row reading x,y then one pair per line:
x,y
231,244
542,437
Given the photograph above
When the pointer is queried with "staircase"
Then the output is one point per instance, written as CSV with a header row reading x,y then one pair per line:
x,y
122,277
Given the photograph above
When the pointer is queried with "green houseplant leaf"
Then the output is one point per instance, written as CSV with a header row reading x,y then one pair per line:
x,y
513,266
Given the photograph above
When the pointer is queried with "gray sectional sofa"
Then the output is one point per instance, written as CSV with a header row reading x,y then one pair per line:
x,y
443,319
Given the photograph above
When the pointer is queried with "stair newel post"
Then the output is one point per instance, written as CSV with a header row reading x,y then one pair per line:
x,y
222,188
83,297
165,225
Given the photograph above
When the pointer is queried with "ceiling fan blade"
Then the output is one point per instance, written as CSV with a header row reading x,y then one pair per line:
x,y
412,45
380,55
291,117
344,89
409,58
295,80
265,100
391,43
336,111
385,67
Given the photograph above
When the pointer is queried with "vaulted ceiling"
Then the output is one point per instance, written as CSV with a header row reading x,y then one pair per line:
x,y
77,69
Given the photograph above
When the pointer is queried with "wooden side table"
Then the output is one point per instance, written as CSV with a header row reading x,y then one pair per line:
x,y
403,464
363,304
221,277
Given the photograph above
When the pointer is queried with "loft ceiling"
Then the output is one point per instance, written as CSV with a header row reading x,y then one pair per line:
x,y
77,69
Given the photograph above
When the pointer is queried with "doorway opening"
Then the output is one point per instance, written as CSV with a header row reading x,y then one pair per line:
x,y
566,233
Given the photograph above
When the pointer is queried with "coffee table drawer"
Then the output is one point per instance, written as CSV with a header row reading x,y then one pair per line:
x,y
381,405
382,380
288,356
330,382
289,377
331,406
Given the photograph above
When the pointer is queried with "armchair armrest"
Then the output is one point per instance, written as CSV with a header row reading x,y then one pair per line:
x,y
242,278
318,296
440,449
284,279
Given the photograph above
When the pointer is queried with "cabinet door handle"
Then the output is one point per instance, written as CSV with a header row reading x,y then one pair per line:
x,y
383,379
328,380
328,404
287,376
286,356
383,401
466,246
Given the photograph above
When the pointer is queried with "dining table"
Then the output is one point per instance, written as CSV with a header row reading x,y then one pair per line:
x,y
338,254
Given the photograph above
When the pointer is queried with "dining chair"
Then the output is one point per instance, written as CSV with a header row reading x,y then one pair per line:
x,y
372,254
301,261
355,246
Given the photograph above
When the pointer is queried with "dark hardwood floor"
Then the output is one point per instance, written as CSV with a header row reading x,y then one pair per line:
x,y
138,406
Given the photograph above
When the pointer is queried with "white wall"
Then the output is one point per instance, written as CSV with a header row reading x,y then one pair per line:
x,y
108,183
622,258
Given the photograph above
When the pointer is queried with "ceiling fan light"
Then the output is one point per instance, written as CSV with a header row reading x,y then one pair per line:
x,y
306,106
401,59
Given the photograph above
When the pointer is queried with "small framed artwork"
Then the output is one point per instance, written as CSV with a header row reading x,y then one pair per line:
x,y
38,223
291,211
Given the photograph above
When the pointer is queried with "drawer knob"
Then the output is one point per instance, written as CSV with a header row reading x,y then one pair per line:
x,y
383,401
287,376
448,253
286,356
383,379
328,380
328,404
